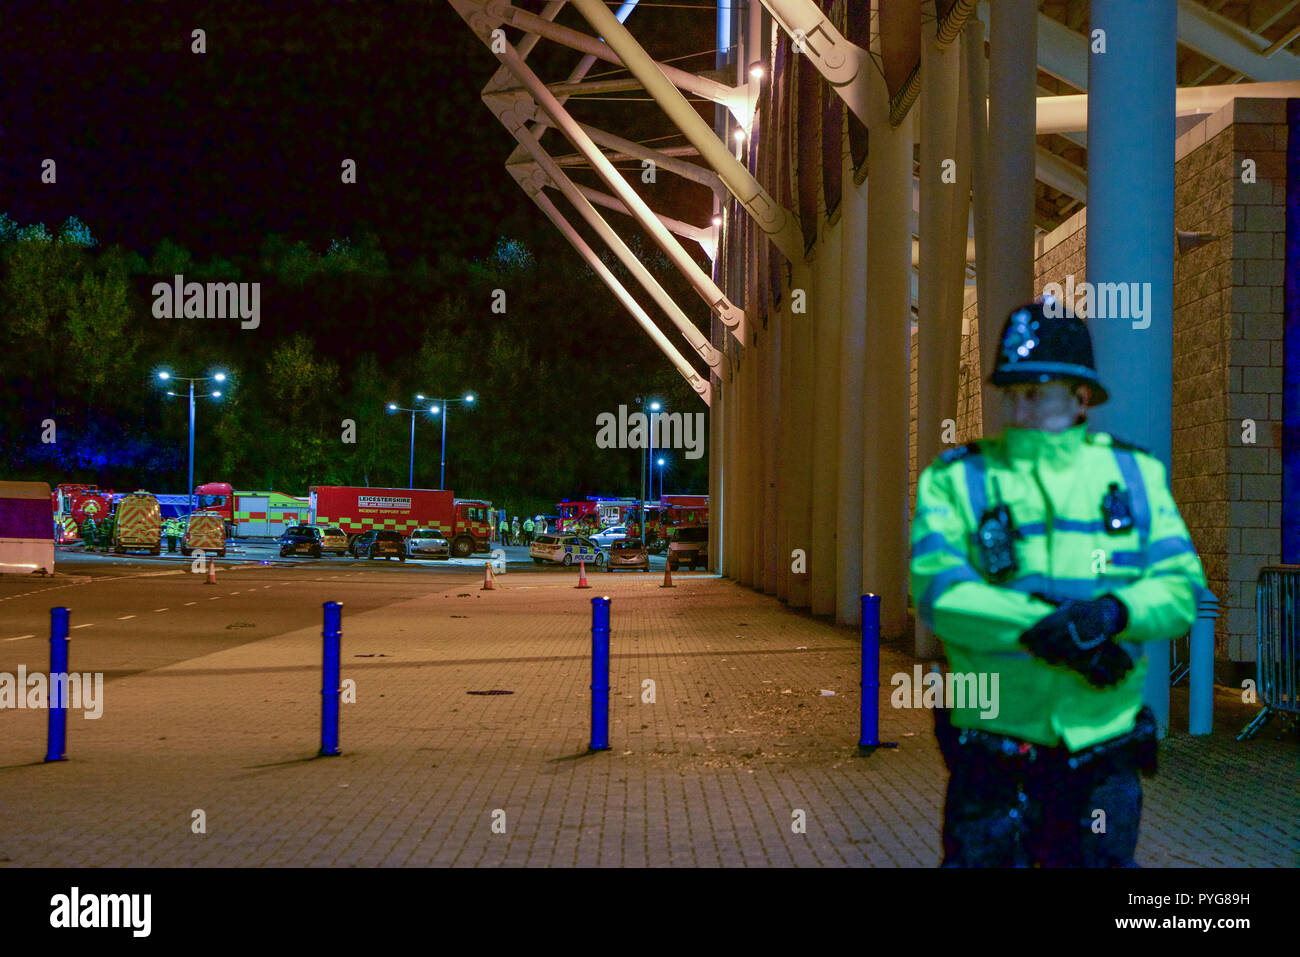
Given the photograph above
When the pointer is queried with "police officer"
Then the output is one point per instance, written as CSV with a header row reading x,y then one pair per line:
x,y
528,530
1048,555
171,528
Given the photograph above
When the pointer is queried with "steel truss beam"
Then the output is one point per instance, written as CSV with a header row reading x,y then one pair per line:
x,y
844,65
1065,114
516,109
698,174
544,172
780,224
735,99
706,237
699,383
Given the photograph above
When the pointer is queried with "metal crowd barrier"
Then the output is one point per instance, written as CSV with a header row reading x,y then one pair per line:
x,y
1277,602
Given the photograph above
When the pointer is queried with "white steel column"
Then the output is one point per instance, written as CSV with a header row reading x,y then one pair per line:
x,y
825,386
886,410
785,448
799,464
976,66
853,361
942,267
770,427
1130,219
1013,86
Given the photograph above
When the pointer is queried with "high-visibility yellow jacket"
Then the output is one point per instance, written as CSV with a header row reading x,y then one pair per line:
x,y
1054,485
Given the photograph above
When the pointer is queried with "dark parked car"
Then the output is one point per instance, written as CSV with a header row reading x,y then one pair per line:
x,y
301,539
374,544
689,546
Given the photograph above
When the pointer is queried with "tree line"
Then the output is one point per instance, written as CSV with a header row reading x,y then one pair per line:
x,y
344,331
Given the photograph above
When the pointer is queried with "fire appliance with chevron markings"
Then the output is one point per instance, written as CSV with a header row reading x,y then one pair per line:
x,y
465,523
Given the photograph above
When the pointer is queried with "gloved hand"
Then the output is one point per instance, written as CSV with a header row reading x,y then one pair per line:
x,y
1078,635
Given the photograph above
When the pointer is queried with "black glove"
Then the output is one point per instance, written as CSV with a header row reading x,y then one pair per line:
x,y
1078,635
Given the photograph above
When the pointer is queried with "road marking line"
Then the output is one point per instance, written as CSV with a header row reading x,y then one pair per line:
x,y
125,617
234,593
160,609
87,625
215,598
191,603
20,638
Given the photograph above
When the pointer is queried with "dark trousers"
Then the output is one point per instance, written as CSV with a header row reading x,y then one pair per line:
x,y
997,814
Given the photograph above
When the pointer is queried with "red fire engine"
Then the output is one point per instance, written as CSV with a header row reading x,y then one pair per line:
x,y
465,523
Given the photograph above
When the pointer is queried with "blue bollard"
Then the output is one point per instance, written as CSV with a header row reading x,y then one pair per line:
x,y
330,690
869,725
57,737
600,674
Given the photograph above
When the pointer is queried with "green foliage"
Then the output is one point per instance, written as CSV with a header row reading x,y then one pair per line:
x,y
344,332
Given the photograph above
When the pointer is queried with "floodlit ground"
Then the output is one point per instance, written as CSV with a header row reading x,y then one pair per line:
x,y
724,736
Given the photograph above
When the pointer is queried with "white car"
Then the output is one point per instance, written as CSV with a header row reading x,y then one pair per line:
x,y
566,550
428,543
608,535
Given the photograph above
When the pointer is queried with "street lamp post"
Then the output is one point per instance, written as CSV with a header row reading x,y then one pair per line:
x,y
661,480
468,399
650,463
394,407
216,394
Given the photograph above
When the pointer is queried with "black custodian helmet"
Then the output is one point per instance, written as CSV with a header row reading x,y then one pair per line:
x,y
1037,347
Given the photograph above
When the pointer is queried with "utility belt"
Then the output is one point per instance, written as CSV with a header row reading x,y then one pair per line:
x,y
1134,749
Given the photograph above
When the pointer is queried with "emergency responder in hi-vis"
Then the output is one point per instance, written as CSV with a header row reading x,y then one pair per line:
x,y
1049,555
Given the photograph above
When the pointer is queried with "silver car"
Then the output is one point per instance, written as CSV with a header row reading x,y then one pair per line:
x,y
428,543
334,539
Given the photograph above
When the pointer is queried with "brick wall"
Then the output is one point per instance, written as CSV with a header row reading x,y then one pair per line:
x,y
1254,381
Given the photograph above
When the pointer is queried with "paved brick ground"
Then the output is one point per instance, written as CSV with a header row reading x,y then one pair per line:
x,y
740,738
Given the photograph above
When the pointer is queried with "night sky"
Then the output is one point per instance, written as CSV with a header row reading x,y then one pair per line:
x,y
216,150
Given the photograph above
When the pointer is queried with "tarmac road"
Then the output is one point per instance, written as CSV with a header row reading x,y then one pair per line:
x,y
132,613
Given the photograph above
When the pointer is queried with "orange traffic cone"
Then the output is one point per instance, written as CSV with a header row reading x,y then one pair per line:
x,y
212,573
488,583
668,576
582,576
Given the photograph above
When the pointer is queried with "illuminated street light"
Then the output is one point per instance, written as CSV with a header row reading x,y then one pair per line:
x,y
394,407
468,399
654,407
218,377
